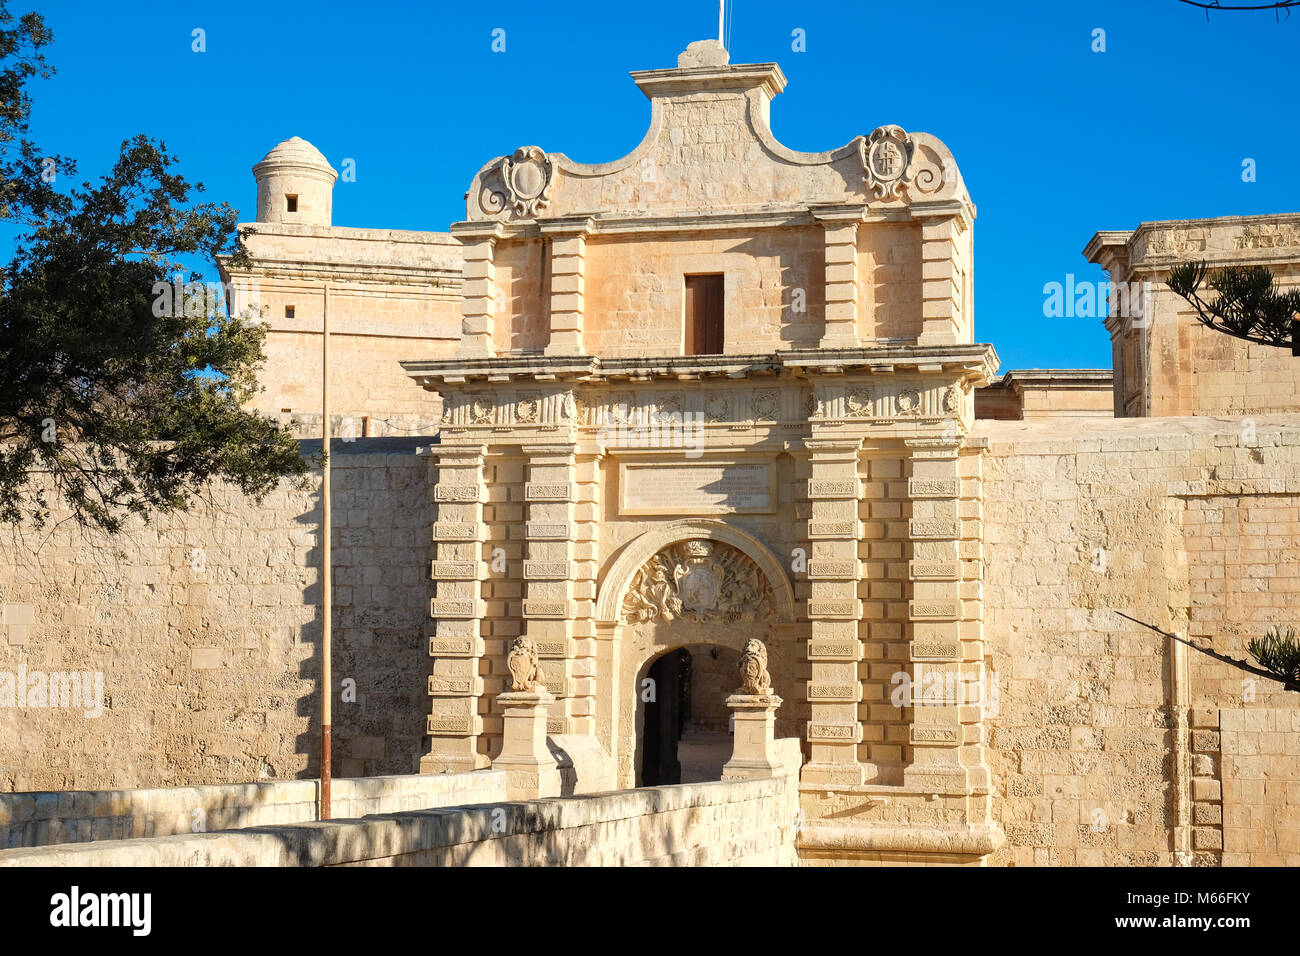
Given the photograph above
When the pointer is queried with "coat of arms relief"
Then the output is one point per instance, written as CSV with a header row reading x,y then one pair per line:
x,y
701,581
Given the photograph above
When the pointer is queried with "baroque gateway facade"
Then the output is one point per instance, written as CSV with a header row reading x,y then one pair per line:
x,y
720,390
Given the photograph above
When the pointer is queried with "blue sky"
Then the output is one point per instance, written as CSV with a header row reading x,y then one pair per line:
x,y
1054,141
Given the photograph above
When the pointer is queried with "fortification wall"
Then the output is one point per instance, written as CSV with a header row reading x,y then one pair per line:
x,y
1107,747
203,629
1111,745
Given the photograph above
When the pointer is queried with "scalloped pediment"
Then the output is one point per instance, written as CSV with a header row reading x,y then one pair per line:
x,y
710,147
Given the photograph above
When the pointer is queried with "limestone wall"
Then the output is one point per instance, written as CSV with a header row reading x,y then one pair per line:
x,y
1260,788
635,290
889,296
724,823
80,816
394,295
1104,727
1110,745
1166,362
204,631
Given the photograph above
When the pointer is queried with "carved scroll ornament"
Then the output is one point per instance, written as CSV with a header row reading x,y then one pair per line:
x,y
701,581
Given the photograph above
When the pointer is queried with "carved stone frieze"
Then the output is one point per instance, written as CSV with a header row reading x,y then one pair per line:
x,y
859,402
527,408
701,581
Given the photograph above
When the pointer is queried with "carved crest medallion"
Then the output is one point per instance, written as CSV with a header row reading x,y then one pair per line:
x,y
859,402
767,404
699,580
887,158
669,409
718,408
528,175
527,408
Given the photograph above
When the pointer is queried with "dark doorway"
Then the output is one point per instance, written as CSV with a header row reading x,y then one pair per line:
x,y
665,715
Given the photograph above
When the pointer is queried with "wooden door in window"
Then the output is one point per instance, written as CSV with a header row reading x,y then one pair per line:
x,y
704,315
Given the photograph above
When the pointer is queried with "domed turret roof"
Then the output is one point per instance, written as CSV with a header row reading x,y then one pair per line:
x,y
295,151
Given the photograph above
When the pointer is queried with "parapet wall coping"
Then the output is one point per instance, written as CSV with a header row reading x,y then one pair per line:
x,y
394,834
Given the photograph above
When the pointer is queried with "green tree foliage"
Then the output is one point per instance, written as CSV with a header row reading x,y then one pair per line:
x,y
1278,653
119,397
1248,305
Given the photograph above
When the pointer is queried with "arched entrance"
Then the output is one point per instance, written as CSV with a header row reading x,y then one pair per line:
x,y
697,585
685,732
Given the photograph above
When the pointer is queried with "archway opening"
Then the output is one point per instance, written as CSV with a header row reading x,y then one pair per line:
x,y
684,724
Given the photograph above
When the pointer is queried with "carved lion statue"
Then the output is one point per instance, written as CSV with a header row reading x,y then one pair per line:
x,y
754,678
525,675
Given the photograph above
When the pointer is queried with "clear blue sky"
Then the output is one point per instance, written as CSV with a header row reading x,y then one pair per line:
x,y
1055,141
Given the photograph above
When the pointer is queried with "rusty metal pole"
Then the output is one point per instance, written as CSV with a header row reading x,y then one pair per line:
x,y
327,590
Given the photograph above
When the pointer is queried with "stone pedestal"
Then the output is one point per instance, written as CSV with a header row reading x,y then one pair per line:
x,y
530,769
754,742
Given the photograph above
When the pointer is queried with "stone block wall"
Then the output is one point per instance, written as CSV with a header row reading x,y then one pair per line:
x,y
1258,819
371,392
522,297
635,291
394,295
889,281
723,823
203,630
1166,362
884,550
79,816
1107,746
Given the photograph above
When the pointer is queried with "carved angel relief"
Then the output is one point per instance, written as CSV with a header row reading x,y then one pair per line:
x,y
701,581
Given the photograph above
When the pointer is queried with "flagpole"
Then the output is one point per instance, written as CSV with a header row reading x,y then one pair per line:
x,y
720,9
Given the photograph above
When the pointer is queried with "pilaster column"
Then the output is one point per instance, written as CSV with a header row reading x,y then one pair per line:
x,y
841,225
584,549
834,690
550,583
456,687
478,296
940,696
608,697
568,285
941,268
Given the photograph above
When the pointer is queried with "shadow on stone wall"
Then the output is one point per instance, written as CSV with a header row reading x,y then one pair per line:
x,y
381,553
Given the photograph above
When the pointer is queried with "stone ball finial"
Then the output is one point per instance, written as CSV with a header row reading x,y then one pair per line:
x,y
754,678
703,53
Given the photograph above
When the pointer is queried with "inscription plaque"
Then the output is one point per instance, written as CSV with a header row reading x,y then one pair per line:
x,y
697,488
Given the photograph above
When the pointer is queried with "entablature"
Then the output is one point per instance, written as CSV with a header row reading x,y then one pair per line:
x,y
974,365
